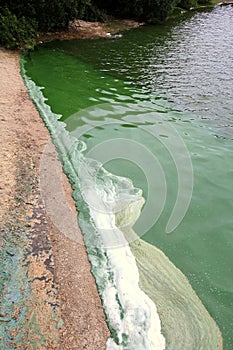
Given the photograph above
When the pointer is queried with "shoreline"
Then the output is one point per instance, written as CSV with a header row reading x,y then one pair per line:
x,y
56,265
62,303
62,289
79,29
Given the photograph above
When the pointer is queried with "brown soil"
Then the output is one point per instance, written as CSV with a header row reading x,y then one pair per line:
x,y
82,29
54,261
64,308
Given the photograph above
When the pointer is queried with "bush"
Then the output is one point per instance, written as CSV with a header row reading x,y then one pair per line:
x,y
144,10
16,32
20,19
187,4
52,14
204,2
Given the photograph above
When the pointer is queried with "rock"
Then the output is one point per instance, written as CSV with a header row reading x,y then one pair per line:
x,y
79,25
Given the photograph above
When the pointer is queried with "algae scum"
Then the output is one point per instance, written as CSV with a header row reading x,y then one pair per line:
x,y
155,107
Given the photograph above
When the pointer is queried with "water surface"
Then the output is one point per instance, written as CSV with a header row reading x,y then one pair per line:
x,y
177,75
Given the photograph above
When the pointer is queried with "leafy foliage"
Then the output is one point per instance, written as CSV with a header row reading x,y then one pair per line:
x,y
21,19
16,32
51,14
146,10
187,4
204,2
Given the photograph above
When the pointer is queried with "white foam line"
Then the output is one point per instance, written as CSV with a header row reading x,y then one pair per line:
x,y
131,313
139,327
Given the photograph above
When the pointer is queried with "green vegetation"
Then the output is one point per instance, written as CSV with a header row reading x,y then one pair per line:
x,y
144,10
152,11
16,32
21,21
187,4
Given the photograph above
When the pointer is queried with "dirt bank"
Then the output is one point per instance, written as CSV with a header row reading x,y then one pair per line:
x,y
79,29
63,309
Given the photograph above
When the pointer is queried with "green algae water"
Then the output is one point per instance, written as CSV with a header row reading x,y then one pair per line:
x,y
164,96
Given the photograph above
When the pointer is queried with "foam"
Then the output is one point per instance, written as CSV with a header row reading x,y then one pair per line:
x,y
141,290
131,315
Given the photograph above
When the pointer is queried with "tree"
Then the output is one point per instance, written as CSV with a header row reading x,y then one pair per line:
x,y
144,10
20,19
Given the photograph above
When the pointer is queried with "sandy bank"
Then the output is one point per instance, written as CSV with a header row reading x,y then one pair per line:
x,y
58,271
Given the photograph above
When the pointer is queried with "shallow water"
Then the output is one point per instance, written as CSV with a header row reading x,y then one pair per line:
x,y
160,99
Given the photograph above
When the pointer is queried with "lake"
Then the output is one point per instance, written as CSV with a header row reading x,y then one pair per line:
x,y
155,107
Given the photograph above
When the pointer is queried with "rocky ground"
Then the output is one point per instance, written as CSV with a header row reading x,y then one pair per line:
x,y
82,29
